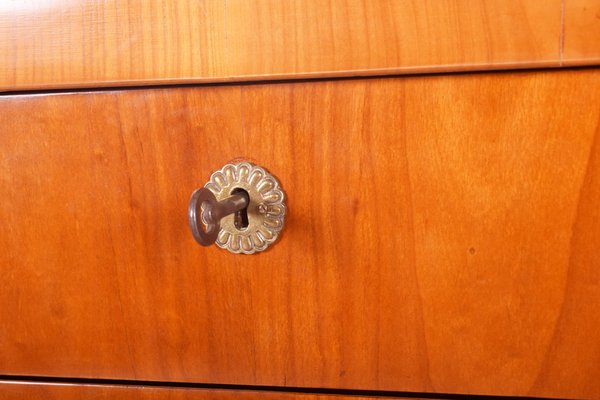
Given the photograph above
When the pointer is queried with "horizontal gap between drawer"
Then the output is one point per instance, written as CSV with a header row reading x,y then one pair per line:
x,y
255,388
67,90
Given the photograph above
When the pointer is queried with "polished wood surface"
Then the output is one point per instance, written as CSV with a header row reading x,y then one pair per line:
x,y
85,43
582,32
10,390
443,235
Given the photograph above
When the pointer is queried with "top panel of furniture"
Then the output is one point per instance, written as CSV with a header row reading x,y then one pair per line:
x,y
107,43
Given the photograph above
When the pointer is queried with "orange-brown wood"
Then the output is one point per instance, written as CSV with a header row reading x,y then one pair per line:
x,y
65,391
84,43
443,235
273,37
582,32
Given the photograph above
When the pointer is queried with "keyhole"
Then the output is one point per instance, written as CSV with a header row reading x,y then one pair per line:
x,y
240,218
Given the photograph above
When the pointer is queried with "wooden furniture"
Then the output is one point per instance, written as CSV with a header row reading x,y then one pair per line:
x,y
66,391
89,43
443,230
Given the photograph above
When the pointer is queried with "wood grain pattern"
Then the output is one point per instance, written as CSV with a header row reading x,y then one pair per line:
x,y
582,32
481,276
10,390
85,43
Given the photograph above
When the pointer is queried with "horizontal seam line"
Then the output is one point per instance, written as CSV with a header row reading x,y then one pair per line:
x,y
253,388
183,82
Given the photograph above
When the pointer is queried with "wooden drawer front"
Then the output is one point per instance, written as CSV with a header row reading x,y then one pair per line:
x,y
443,235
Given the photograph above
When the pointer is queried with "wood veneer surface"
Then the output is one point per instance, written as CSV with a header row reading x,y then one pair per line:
x,y
85,43
582,33
443,235
64,391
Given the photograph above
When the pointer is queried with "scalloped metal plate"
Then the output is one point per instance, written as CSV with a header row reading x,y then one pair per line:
x,y
266,210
